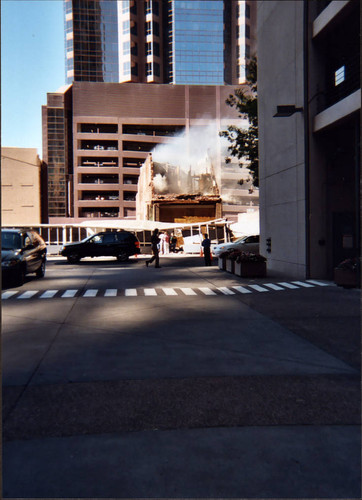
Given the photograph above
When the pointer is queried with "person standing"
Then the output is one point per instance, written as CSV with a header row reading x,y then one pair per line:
x,y
167,243
206,244
162,243
155,240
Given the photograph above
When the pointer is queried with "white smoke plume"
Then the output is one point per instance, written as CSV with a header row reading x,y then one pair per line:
x,y
195,150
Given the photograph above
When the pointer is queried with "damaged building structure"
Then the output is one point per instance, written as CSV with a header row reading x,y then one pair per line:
x,y
169,193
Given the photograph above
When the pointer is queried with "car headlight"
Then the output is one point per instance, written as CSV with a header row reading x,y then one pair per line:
x,y
9,263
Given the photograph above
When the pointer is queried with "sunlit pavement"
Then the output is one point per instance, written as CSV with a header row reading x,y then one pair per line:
x,y
249,395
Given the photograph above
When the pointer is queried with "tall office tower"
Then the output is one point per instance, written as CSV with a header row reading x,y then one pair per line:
x,y
159,41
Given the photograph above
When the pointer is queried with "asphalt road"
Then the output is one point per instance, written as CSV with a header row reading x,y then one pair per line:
x,y
185,381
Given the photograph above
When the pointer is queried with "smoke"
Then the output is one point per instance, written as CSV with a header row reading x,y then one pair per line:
x,y
195,151
160,184
201,151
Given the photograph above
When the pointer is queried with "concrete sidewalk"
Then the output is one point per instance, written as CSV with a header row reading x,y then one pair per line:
x,y
254,396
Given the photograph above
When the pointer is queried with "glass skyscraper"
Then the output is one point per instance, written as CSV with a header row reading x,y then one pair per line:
x,y
205,42
91,40
197,42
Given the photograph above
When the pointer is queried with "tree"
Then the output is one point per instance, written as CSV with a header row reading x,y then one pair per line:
x,y
244,142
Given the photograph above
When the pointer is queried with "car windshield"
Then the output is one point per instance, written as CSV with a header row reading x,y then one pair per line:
x,y
239,240
10,240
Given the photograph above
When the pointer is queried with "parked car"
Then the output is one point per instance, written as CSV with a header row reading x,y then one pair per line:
x,y
245,244
120,244
23,252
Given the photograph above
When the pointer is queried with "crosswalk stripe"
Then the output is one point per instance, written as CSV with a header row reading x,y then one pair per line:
x,y
316,282
258,288
225,290
48,294
302,283
150,292
241,289
188,291
169,291
7,295
111,292
69,293
273,286
130,292
28,294
287,285
91,292
207,291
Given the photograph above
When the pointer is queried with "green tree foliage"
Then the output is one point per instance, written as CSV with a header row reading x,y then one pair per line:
x,y
244,142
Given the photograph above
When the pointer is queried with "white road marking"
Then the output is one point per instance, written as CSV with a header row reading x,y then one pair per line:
x,y
69,293
92,292
188,291
301,283
225,290
287,285
130,292
48,294
273,286
241,289
169,291
258,288
207,291
150,292
28,294
111,292
7,295
319,283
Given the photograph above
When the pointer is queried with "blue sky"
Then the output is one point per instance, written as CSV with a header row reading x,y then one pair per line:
x,y
32,64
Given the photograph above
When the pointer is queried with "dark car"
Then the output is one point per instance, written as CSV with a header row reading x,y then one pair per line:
x,y
120,244
23,252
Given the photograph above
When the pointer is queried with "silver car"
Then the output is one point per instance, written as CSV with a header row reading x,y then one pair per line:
x,y
245,244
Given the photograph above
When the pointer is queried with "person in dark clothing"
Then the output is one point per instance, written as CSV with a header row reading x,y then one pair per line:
x,y
206,244
155,240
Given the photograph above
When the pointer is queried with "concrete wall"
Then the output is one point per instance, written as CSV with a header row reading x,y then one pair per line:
x,y
281,140
20,186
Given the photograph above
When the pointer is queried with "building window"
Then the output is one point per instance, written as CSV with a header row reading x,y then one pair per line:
x,y
148,8
339,76
156,49
156,28
247,51
126,48
127,68
148,48
247,11
156,69
148,28
134,69
126,27
247,31
148,69
134,50
237,51
151,7
125,6
134,29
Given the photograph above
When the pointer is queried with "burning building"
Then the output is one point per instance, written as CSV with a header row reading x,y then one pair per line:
x,y
169,193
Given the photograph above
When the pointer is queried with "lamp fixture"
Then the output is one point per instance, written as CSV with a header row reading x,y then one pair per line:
x,y
287,110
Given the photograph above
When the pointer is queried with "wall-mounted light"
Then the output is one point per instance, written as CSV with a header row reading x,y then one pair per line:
x,y
287,110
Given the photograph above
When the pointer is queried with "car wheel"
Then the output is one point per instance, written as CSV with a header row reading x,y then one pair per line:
x,y
73,258
41,271
122,257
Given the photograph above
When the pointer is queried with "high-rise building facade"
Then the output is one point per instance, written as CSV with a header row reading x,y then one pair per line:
x,y
309,102
204,42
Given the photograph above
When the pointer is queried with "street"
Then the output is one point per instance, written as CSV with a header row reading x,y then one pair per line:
x,y
185,381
